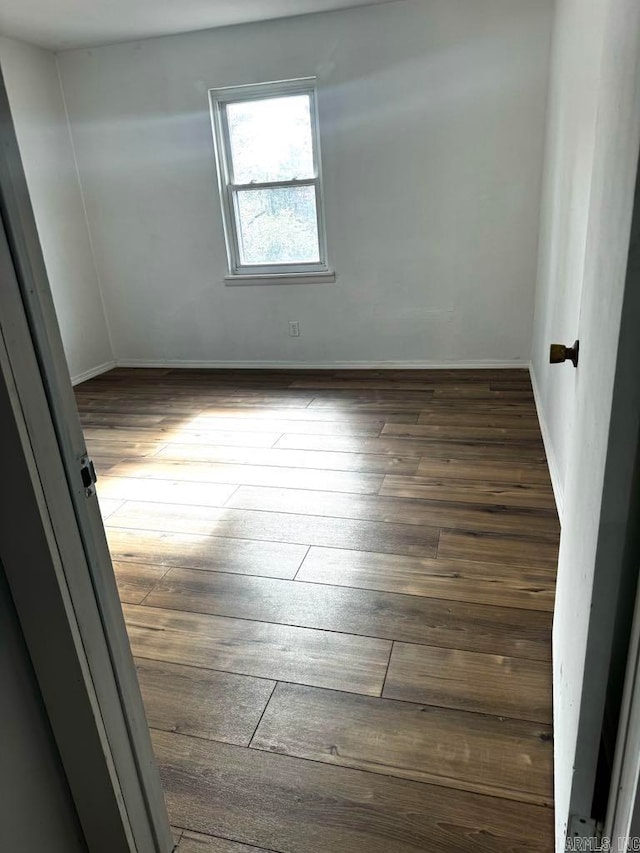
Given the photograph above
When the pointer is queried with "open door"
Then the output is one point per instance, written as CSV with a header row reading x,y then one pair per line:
x,y
598,564
55,554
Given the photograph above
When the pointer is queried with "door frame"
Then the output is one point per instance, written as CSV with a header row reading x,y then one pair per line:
x,y
55,554
623,808
623,811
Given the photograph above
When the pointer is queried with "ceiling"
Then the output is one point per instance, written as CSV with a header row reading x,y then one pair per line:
x,y
64,24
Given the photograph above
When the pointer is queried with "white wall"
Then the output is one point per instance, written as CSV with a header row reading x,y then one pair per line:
x,y
571,128
37,811
432,125
37,105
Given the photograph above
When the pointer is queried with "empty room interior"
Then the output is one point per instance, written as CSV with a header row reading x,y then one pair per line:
x,y
308,259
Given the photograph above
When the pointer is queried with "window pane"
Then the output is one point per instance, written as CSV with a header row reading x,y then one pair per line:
x,y
278,226
270,139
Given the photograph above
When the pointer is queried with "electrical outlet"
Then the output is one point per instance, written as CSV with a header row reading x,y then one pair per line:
x,y
294,328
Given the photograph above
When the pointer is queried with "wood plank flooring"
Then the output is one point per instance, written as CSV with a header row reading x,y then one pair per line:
x,y
338,587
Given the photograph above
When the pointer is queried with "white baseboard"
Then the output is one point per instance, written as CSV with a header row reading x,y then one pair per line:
x,y
325,365
93,371
554,471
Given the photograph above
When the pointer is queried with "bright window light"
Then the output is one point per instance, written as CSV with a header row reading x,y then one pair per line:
x,y
269,176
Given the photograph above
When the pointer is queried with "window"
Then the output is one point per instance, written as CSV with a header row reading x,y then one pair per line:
x,y
269,176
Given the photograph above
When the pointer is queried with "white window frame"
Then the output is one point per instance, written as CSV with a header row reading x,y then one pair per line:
x,y
240,273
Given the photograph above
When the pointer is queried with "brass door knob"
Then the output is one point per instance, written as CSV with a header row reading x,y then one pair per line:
x,y
559,353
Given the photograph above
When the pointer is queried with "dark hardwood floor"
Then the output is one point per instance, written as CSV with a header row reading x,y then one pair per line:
x,y
338,588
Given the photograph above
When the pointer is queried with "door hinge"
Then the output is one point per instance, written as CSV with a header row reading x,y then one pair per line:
x,y
584,834
88,475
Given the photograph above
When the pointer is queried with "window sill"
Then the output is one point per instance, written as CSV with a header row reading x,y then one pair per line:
x,y
281,278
